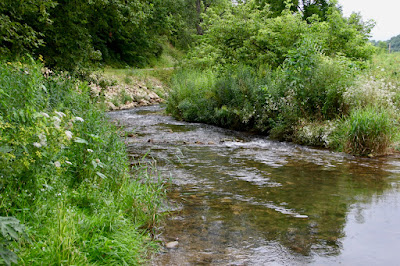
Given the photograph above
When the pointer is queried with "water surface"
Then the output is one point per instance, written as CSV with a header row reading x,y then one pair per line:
x,y
242,199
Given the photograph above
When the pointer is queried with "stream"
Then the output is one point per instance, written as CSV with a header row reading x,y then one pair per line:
x,y
241,199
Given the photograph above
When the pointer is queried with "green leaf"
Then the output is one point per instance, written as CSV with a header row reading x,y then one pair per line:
x,y
8,256
10,226
5,149
101,175
79,140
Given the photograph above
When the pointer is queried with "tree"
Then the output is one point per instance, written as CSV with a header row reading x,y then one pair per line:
x,y
72,34
307,8
21,23
251,35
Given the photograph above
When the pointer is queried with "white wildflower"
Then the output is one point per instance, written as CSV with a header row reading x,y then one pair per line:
x,y
60,114
90,150
43,139
68,134
57,164
68,162
45,114
37,144
77,118
57,122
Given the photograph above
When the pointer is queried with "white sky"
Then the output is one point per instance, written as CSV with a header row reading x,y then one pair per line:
x,y
386,14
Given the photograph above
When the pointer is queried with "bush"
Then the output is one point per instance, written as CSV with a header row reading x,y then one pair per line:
x,y
192,98
64,173
309,86
368,131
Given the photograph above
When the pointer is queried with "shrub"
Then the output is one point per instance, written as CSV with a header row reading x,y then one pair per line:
x,y
368,131
64,173
192,97
315,133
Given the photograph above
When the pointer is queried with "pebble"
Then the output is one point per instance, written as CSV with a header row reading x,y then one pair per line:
x,y
171,245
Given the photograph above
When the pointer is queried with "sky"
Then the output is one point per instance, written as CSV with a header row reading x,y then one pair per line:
x,y
386,14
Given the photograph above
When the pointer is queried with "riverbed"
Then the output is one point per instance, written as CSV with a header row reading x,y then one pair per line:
x,y
241,199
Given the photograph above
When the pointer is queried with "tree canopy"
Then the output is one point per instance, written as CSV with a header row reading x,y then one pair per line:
x,y
69,34
251,34
73,34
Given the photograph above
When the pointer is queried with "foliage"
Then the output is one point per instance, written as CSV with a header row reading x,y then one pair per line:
x,y
190,100
71,35
368,131
306,7
292,75
309,85
21,23
11,230
248,34
64,173
385,67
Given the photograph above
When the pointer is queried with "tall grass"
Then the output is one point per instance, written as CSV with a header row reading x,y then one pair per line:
x,y
368,131
192,98
65,176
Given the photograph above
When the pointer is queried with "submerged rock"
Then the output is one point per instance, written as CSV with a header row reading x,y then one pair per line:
x,y
172,245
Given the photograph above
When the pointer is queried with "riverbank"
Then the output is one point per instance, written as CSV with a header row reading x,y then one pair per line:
x,y
68,190
332,103
123,89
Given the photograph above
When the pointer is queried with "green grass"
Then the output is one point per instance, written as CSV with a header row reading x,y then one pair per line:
x,y
64,174
368,131
386,66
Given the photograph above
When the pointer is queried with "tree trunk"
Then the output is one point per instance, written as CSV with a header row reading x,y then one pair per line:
x,y
200,20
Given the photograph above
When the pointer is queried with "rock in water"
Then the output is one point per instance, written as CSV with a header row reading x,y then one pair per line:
x,y
171,245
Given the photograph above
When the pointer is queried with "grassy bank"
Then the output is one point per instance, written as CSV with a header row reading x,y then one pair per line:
x,y
311,99
64,175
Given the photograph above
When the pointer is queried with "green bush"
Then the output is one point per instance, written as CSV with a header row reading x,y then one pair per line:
x,y
368,131
64,173
192,98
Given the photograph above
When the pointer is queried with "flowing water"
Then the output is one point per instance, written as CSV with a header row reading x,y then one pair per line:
x,y
242,199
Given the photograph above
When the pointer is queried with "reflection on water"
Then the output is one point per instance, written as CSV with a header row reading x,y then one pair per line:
x,y
240,199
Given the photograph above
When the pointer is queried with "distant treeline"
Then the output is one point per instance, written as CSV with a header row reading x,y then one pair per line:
x,y
394,44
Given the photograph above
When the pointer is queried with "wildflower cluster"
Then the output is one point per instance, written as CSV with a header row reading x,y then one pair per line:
x,y
370,91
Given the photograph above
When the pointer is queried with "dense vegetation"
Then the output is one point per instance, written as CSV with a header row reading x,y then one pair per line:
x,y
76,34
64,175
303,79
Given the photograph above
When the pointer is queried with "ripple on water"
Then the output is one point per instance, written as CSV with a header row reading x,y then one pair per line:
x,y
242,199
